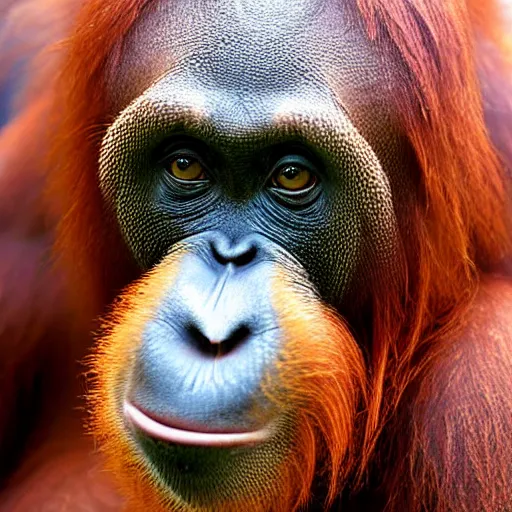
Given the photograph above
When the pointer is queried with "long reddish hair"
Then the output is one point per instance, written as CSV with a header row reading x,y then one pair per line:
x,y
457,225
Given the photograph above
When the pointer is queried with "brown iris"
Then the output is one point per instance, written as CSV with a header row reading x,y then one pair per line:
x,y
292,177
187,169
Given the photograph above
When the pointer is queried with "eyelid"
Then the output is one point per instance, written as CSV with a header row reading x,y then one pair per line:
x,y
295,160
180,145
181,152
187,188
297,198
296,193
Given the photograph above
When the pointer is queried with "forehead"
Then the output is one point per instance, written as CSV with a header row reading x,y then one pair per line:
x,y
252,48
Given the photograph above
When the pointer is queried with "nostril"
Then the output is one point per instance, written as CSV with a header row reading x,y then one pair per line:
x,y
239,254
219,257
200,342
216,348
235,339
246,257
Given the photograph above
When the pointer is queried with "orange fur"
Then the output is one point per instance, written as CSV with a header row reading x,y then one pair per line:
x,y
323,401
457,227
111,366
324,376
454,452
459,222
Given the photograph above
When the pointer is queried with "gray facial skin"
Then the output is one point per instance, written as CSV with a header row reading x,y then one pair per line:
x,y
243,86
245,79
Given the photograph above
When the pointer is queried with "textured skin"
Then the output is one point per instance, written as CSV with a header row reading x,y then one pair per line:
x,y
243,93
239,88
248,78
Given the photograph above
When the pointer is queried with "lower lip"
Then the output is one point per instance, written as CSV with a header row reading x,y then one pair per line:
x,y
185,437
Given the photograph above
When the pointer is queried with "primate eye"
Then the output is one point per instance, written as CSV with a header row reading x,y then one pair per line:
x,y
293,177
187,169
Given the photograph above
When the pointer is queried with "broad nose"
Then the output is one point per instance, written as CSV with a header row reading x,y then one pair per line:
x,y
240,252
206,352
226,316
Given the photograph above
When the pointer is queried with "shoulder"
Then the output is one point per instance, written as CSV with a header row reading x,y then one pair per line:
x,y
475,365
461,413
493,304
484,346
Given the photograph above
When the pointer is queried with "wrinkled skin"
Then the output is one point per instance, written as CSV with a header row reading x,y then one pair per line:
x,y
255,86
251,97
267,350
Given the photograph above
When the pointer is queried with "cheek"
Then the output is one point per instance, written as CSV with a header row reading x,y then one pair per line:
x,y
316,383
361,242
336,251
116,351
136,187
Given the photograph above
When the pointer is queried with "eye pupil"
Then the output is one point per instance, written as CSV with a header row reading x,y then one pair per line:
x,y
291,172
293,177
183,163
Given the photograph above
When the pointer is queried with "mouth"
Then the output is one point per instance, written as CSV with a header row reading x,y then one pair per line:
x,y
170,434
